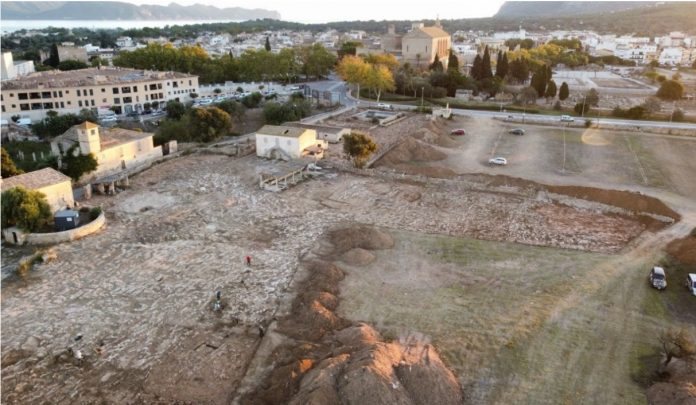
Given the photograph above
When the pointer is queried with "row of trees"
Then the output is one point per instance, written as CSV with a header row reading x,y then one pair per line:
x,y
253,65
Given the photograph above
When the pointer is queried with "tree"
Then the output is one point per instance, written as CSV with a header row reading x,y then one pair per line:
x,y
253,100
8,166
316,61
436,66
276,113
175,110
501,68
477,68
529,95
551,89
380,79
486,72
193,95
26,209
235,109
359,147
209,124
654,64
72,65
267,46
53,58
564,92
538,84
519,70
676,343
75,165
452,62
693,65
670,90
592,97
678,115
217,90
582,108
96,61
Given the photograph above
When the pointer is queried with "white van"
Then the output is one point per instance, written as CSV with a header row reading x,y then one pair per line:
x,y
567,118
691,283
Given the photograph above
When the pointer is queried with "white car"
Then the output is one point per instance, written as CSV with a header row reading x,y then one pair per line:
x,y
384,105
205,101
691,283
109,118
567,118
500,161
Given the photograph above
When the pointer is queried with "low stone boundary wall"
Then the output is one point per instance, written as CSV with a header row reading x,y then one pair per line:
x,y
66,236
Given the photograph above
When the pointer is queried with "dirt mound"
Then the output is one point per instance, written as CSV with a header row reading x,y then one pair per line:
x,y
359,236
671,394
380,373
333,361
623,199
436,137
684,249
358,257
411,150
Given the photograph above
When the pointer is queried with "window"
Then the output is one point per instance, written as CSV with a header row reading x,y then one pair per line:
x,y
127,100
125,90
117,100
146,98
92,132
34,96
46,94
78,93
79,103
11,94
14,106
190,83
24,107
3,108
153,86
60,93
55,94
135,89
103,100
23,96
36,106
161,95
92,103
103,90
69,102
115,90
47,106
91,92
67,91
159,85
62,104
175,84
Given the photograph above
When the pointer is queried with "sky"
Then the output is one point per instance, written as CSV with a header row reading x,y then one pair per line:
x,y
316,11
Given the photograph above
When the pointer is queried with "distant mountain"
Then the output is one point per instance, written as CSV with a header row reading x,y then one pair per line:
x,y
114,10
541,9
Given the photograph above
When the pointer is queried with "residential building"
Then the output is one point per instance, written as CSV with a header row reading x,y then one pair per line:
x,y
326,132
56,186
124,42
420,45
286,142
391,42
71,52
116,149
120,89
671,56
15,68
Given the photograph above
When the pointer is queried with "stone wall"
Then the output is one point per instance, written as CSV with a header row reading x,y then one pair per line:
x,y
66,236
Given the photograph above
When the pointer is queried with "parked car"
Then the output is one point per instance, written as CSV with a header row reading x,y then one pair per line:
x,y
205,101
384,106
691,283
108,118
458,131
657,278
567,118
500,161
517,131
157,113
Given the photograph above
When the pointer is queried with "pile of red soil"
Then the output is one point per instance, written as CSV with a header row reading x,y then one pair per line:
x,y
684,249
680,387
330,360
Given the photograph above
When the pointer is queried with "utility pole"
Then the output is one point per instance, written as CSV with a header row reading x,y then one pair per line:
x,y
671,116
422,91
582,113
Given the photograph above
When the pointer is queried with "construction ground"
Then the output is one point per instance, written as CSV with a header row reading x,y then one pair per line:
x,y
429,278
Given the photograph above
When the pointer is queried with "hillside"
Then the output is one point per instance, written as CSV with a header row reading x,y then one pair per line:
x,y
519,9
114,10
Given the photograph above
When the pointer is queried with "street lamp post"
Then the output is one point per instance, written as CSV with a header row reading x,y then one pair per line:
x,y
422,92
582,113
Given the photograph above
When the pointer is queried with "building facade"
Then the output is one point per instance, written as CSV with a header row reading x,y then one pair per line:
x,y
12,69
116,149
121,90
420,45
284,142
56,186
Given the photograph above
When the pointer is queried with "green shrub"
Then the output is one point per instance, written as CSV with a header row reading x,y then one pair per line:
x,y
94,213
26,209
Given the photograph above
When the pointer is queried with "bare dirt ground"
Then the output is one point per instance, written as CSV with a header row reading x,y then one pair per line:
x,y
507,317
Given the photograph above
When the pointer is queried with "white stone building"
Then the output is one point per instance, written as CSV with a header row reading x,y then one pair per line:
x,y
56,186
285,142
116,149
